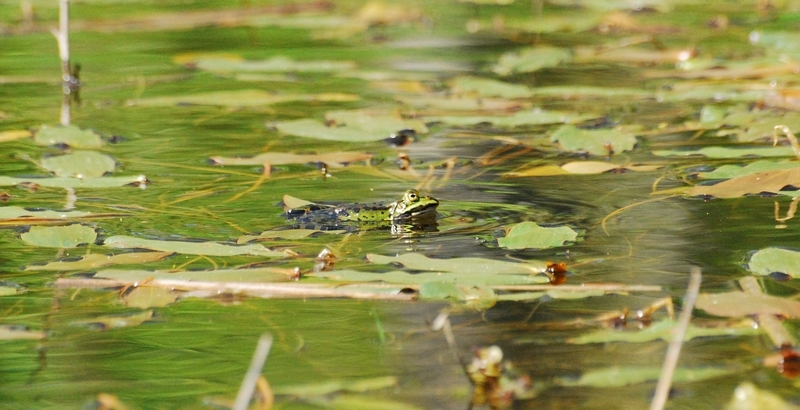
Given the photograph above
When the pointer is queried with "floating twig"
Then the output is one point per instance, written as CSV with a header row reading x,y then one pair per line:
x,y
253,373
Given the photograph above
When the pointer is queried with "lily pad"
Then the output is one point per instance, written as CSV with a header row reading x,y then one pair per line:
x,y
68,236
490,88
69,135
96,260
518,119
117,321
315,129
769,260
191,248
277,64
240,98
377,122
664,330
531,59
735,171
729,152
579,168
13,212
290,234
255,275
10,288
332,159
768,181
595,142
80,164
530,235
62,182
456,103
418,261
740,304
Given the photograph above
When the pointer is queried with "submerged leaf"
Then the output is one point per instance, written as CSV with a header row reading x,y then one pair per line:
x,y
285,234
462,103
664,330
61,182
530,235
11,288
490,88
80,164
531,59
254,275
332,159
315,129
97,260
595,142
769,260
418,261
191,248
277,64
729,152
69,135
749,397
68,236
239,98
117,321
618,376
145,297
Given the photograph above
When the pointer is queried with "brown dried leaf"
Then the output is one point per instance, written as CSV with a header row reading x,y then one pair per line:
x,y
769,181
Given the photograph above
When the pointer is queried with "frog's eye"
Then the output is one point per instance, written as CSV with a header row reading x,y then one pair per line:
x,y
412,196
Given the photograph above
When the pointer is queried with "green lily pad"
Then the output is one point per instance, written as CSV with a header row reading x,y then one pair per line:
x,y
531,59
96,260
400,277
618,376
276,64
80,164
290,234
521,118
69,135
769,260
490,88
595,142
376,122
315,129
735,171
240,98
460,103
418,261
117,321
68,236
530,235
729,152
191,248
255,275
663,330
12,212
475,296
62,182
332,159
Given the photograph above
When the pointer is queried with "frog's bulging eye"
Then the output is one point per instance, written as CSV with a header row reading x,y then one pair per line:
x,y
412,196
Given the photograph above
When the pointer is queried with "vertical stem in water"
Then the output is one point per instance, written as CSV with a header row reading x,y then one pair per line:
x,y
62,36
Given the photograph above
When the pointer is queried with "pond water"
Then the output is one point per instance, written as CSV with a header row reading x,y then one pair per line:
x,y
173,84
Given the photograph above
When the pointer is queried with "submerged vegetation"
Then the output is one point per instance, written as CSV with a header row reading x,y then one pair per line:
x,y
565,165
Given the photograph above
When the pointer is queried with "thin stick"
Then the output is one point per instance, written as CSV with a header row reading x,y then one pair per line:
x,y
674,349
62,37
253,373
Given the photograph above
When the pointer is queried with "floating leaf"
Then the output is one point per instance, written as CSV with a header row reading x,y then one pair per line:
x,y
290,234
240,98
69,135
255,275
749,397
579,168
530,235
583,92
739,304
12,212
145,297
277,64
462,103
335,386
10,288
61,182
97,260
418,261
332,159
727,152
377,122
314,129
68,236
595,142
117,321
475,296
531,59
11,135
735,171
768,181
618,376
518,119
664,330
471,278
490,88
191,248
769,260
80,164
20,333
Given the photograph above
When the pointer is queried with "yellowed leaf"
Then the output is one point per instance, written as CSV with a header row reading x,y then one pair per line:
x,y
768,181
97,260
738,304
11,135
332,159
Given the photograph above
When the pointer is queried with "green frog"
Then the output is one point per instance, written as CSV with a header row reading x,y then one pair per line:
x,y
413,207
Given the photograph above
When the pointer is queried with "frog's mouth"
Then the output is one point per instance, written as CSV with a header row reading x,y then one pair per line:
x,y
426,211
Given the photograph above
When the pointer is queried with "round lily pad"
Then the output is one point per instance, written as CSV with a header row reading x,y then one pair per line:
x,y
68,236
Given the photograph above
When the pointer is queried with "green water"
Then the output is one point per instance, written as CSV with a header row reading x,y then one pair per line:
x,y
198,349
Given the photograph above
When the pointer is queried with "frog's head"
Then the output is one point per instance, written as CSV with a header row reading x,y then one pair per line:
x,y
413,205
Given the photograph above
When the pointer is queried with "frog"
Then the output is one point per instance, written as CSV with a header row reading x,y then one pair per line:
x,y
412,207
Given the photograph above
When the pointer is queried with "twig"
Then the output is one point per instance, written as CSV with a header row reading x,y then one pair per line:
x,y
62,37
253,373
674,349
